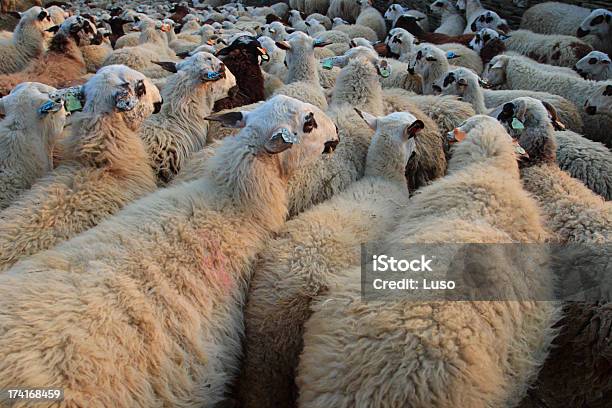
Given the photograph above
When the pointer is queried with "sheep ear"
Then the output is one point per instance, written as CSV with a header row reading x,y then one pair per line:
x,y
15,14
230,119
319,43
411,130
371,120
283,45
554,117
280,141
167,65
498,64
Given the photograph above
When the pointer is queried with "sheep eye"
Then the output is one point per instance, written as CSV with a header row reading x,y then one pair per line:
x,y
140,89
309,123
597,20
489,19
431,59
419,55
593,61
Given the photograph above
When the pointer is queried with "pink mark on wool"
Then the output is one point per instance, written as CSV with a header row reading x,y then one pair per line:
x,y
214,263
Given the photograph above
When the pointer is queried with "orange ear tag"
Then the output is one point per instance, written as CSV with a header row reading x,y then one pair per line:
x,y
459,135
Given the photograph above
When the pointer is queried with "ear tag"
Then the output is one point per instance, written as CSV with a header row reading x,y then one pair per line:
x,y
212,75
288,136
450,55
517,124
47,107
72,103
210,42
317,42
384,69
328,63
518,149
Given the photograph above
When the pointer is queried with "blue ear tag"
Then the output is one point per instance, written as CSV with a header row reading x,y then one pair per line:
x,y
47,107
317,42
289,137
212,75
328,63
450,55
517,124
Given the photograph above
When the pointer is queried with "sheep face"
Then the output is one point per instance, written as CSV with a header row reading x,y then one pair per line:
x,y
82,30
33,104
338,21
530,123
481,38
495,72
597,23
246,46
424,58
275,30
489,19
37,19
457,82
594,65
204,69
297,45
400,41
394,140
296,132
123,92
393,12
600,101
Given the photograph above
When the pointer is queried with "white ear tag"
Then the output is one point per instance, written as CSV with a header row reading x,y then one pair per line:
x,y
517,124
289,137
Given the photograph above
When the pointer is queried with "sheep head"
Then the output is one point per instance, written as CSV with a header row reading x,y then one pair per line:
x,y
593,65
296,131
495,72
400,41
532,124
597,23
600,100
425,57
362,54
393,144
80,29
36,18
489,19
457,82
123,92
245,46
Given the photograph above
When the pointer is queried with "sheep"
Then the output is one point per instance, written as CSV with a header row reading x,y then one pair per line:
x,y
180,128
275,30
323,19
401,44
370,17
63,64
188,353
296,21
574,215
357,30
314,27
561,50
285,280
395,13
453,22
596,30
410,24
346,9
303,76
429,352
95,55
28,41
598,109
472,8
243,58
276,58
430,63
333,37
58,15
104,167
588,161
153,47
478,17
595,65
519,73
32,124
466,84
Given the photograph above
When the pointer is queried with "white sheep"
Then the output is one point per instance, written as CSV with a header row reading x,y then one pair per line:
x,y
426,351
431,63
453,23
286,280
104,166
517,72
478,17
466,84
597,30
401,44
596,65
357,30
345,9
395,11
28,41
32,124
314,27
182,319
303,75
561,50
180,128
296,21
323,19
598,107
275,30
370,17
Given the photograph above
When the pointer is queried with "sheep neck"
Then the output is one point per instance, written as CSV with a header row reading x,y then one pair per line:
x,y
66,46
188,101
251,184
106,142
475,97
384,161
303,67
27,152
358,85
435,72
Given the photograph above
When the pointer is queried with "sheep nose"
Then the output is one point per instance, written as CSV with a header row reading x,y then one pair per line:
x,y
411,70
591,110
157,106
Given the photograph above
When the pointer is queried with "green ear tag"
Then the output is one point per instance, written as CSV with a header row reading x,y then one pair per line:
x,y
384,69
517,124
328,63
384,72
73,103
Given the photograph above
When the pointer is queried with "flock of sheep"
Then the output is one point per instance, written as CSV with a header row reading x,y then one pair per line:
x,y
184,189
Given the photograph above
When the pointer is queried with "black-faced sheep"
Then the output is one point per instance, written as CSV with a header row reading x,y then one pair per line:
x,y
33,122
181,128
104,167
119,307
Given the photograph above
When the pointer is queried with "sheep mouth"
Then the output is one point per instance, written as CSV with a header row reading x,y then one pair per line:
x,y
330,146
